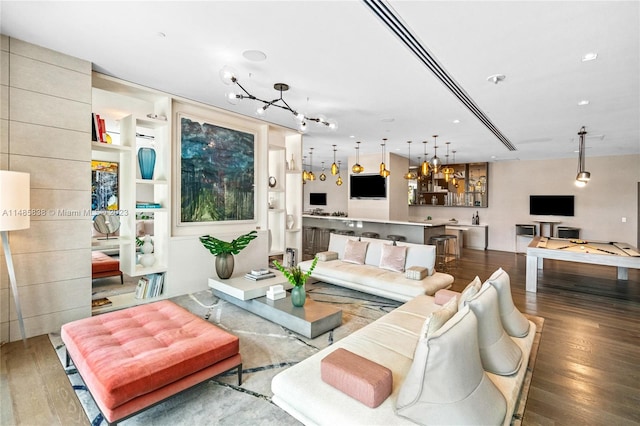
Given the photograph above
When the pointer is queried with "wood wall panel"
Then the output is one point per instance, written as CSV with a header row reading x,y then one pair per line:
x,y
61,204
4,136
52,235
47,110
56,266
52,173
43,324
51,297
29,50
35,140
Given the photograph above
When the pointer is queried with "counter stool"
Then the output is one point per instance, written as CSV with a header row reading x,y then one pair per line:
x,y
323,239
396,238
345,232
441,251
309,243
451,246
371,235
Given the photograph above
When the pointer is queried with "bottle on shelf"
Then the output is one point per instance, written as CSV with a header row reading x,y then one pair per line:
x,y
292,163
473,219
477,219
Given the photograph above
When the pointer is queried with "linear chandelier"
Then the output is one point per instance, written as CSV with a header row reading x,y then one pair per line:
x,y
228,77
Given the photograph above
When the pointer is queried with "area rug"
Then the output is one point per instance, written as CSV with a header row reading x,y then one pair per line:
x,y
266,349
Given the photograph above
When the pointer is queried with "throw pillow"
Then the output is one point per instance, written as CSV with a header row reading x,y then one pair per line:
x,y
514,323
438,318
326,256
498,352
393,257
355,251
469,291
446,383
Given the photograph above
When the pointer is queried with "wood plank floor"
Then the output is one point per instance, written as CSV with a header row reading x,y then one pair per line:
x,y
587,371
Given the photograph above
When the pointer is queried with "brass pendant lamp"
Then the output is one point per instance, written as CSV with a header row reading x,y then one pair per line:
x,y
424,168
334,167
305,173
410,175
323,177
447,170
339,180
384,172
311,176
357,168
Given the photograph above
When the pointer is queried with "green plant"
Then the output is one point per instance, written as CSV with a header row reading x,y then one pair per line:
x,y
218,247
294,274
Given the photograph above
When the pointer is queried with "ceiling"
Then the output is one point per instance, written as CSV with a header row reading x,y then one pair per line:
x,y
340,60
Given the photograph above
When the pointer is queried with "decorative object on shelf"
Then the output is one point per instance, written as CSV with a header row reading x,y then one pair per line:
x,y
357,168
424,168
435,161
447,170
334,166
292,163
272,182
157,117
384,172
106,224
229,77
323,176
206,170
290,221
224,251
410,175
147,259
583,176
104,185
15,190
147,162
339,180
297,279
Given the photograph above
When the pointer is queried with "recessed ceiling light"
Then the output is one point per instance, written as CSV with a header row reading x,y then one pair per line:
x,y
496,78
583,102
254,55
589,56
161,34
456,121
388,120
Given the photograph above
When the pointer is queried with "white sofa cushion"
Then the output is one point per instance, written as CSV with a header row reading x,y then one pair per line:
x,y
446,383
499,353
514,323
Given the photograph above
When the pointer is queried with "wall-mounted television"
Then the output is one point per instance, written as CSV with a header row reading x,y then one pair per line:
x,y
318,198
553,205
367,186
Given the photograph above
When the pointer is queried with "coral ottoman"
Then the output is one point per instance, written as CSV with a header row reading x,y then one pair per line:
x,y
134,358
104,266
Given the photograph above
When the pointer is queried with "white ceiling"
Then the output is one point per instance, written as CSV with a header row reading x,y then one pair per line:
x,y
341,61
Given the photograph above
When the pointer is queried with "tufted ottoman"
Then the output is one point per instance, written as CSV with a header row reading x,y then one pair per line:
x,y
134,358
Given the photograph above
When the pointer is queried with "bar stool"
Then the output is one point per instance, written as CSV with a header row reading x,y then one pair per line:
x,y
309,243
441,253
371,235
323,239
452,240
345,232
396,238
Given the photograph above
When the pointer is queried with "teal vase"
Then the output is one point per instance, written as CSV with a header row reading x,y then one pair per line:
x,y
298,296
147,162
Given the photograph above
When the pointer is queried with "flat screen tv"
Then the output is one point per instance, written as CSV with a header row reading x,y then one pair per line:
x,y
554,205
318,198
367,186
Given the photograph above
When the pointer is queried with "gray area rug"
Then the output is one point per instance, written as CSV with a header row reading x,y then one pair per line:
x,y
266,349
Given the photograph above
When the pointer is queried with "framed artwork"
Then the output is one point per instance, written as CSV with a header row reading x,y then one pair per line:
x,y
104,185
216,173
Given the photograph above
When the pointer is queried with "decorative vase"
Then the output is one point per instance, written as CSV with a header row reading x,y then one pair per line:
x,y
224,265
147,259
147,162
290,221
292,163
298,296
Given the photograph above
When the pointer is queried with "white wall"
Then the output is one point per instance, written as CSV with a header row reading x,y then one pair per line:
x,y
336,195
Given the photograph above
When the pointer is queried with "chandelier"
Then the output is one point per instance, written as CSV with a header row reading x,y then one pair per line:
x,y
229,77
410,175
357,168
583,176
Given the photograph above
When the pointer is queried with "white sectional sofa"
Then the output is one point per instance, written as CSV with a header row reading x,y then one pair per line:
x,y
438,357
369,277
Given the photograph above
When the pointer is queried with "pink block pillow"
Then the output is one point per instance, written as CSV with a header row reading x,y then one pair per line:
x,y
355,251
393,257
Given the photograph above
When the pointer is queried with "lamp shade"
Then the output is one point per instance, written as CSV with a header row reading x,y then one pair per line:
x,y
14,200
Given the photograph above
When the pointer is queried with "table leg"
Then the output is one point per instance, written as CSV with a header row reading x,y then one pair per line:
x,y
532,273
623,273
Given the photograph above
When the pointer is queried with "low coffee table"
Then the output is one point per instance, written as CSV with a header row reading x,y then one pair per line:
x,y
311,320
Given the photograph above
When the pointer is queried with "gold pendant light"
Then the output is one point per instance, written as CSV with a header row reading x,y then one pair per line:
x,y
305,173
339,180
334,167
384,172
323,177
311,175
357,168
410,175
447,170
424,168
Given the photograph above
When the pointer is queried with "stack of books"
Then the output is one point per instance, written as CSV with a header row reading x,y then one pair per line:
x,y
259,274
150,286
147,205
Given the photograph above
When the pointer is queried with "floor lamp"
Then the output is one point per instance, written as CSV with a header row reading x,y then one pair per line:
x,y
14,215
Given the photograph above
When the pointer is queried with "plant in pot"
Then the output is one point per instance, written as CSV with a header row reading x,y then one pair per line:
x,y
297,278
224,251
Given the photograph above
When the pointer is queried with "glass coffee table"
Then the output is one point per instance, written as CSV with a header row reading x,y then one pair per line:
x,y
311,320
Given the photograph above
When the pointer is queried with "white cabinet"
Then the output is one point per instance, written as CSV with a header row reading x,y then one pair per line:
x,y
476,237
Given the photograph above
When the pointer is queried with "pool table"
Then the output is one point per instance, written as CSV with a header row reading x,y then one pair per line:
x,y
620,255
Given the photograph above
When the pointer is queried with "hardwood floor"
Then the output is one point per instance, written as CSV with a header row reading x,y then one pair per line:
x,y
587,371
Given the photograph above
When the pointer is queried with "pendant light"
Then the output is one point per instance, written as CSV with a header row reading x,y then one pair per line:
x,y
384,172
323,177
447,170
311,175
583,176
454,181
334,166
435,161
339,180
410,175
305,173
424,168
357,168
